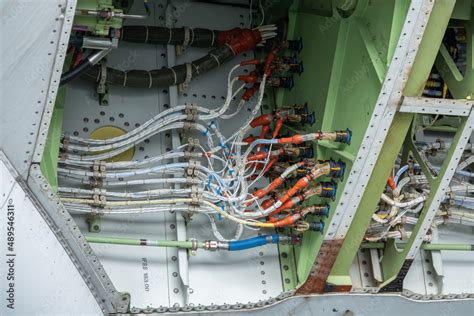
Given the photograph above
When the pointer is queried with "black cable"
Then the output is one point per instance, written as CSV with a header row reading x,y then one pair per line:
x,y
197,37
166,76
80,69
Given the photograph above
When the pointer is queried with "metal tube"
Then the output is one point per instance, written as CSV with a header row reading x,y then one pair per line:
x,y
98,43
431,246
142,242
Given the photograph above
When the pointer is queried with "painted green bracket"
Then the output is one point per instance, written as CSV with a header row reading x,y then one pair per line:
x,y
98,26
93,221
421,68
461,87
429,47
399,13
345,63
371,198
393,257
49,162
419,159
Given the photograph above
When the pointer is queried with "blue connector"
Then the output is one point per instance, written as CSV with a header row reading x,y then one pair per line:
x,y
296,45
287,82
337,169
344,136
297,68
329,190
323,211
316,226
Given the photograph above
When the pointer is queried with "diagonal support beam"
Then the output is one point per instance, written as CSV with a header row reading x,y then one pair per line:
x,y
436,106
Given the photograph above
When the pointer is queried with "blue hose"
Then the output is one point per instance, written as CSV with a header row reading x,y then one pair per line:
x,y
252,242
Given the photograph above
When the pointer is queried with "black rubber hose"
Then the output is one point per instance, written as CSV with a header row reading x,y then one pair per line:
x,y
166,76
72,74
174,36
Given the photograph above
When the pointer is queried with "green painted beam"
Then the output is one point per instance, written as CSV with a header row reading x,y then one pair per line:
x,y
425,246
461,87
49,161
394,258
399,13
429,46
370,199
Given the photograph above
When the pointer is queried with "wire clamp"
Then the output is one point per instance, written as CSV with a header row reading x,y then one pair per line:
x,y
189,76
99,197
187,37
62,156
96,211
190,152
193,165
194,246
191,111
102,88
65,142
98,170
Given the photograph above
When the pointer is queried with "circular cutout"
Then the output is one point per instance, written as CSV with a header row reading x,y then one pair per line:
x,y
106,132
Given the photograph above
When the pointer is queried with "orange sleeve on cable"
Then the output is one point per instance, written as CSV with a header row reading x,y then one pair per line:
x,y
391,183
303,182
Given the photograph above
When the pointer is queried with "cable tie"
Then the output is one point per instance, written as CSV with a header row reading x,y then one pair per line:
x,y
151,79
171,32
186,36
125,78
213,37
175,77
209,182
197,69
189,73
219,191
217,59
205,132
192,41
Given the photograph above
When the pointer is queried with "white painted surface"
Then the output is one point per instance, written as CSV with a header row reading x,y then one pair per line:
x,y
45,280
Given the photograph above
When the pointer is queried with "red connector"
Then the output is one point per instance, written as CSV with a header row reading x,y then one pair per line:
x,y
262,120
227,36
269,60
250,78
250,62
245,41
391,183
249,92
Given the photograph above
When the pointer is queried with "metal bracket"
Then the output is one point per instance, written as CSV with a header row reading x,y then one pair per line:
x,y
436,106
397,284
102,88
316,282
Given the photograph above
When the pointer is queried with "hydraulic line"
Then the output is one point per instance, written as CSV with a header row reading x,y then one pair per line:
x,y
194,244
144,242
424,246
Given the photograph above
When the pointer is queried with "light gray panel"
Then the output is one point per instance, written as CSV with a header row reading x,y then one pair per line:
x,y
254,274
31,66
37,274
